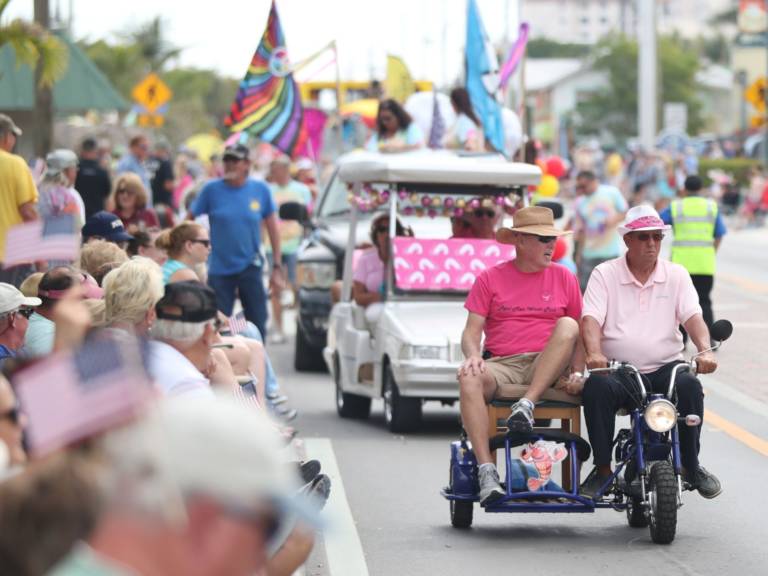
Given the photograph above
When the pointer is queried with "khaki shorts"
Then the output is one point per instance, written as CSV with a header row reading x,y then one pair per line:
x,y
509,372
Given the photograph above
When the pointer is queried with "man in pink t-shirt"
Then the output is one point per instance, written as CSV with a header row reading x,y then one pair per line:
x,y
633,306
528,309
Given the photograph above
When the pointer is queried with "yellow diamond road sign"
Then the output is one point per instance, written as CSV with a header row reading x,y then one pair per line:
x,y
151,92
755,93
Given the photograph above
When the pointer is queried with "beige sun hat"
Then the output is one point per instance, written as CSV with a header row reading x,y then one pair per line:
x,y
537,220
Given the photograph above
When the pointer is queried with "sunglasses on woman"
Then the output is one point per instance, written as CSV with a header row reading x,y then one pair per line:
x,y
14,414
206,243
381,229
481,213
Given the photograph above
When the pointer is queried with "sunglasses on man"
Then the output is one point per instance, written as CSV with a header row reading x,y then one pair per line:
x,y
546,239
484,213
26,312
646,236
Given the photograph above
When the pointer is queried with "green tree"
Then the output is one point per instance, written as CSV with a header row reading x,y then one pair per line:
x,y
546,48
613,110
201,98
32,45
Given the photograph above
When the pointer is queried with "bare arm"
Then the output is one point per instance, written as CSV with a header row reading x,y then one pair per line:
x,y
471,340
699,334
591,335
362,296
717,243
274,237
28,211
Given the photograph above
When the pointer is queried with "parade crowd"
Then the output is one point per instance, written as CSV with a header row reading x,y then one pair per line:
x,y
154,437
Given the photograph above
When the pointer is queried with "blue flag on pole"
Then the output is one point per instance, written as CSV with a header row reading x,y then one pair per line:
x,y
482,72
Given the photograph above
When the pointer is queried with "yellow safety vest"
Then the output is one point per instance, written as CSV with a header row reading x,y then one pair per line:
x,y
693,223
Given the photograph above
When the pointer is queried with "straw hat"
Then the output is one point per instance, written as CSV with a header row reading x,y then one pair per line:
x,y
536,220
642,218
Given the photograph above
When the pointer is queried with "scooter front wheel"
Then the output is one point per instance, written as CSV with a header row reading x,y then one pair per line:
x,y
461,510
662,492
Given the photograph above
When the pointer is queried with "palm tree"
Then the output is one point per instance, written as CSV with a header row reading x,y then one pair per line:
x,y
34,44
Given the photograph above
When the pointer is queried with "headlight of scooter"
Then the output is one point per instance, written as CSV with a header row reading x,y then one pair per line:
x,y
660,415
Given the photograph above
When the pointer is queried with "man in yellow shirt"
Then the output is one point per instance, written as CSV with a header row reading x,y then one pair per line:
x,y
18,196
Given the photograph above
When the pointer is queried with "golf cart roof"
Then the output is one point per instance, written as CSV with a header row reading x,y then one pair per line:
x,y
438,168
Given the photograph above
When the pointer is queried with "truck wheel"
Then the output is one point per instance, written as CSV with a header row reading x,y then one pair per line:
x,y
349,405
662,491
402,414
307,358
461,510
636,516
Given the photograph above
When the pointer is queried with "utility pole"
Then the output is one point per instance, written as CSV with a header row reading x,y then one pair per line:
x,y
647,78
43,136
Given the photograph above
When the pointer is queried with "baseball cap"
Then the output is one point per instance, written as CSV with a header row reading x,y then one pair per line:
x,y
7,123
59,160
12,299
237,151
105,225
212,447
187,301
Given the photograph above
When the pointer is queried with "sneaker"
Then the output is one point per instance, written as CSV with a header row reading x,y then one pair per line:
x,y
592,484
706,483
521,419
490,485
277,338
309,470
286,414
318,490
277,400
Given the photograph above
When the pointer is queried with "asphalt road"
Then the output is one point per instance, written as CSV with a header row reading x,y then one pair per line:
x,y
386,517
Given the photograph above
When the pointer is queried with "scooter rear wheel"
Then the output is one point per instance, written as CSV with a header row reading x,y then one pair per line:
x,y
662,491
636,516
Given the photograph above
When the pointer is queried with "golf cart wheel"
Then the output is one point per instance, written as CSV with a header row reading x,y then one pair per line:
x,y
349,405
636,516
461,510
662,491
401,414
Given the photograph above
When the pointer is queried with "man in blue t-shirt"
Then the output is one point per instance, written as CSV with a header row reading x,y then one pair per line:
x,y
237,206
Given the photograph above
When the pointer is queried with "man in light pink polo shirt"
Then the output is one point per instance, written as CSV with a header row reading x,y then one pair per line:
x,y
528,309
633,306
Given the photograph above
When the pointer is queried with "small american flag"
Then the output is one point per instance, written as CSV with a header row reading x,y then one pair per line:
x,y
49,239
245,393
70,396
237,323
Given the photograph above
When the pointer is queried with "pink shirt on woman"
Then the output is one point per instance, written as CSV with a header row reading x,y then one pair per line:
x,y
369,270
521,309
640,321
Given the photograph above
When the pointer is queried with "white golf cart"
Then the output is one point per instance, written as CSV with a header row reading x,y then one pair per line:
x,y
411,354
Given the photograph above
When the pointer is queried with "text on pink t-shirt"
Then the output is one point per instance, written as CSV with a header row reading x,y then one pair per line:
x,y
521,309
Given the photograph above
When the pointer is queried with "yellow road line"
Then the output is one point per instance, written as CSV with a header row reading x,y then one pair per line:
x,y
756,443
745,283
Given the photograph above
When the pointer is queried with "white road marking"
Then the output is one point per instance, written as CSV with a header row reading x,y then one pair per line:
x,y
342,543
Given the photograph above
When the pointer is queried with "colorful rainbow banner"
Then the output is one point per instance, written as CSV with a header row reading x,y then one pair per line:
x,y
268,102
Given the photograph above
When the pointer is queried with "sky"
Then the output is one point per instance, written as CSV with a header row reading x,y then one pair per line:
x,y
223,34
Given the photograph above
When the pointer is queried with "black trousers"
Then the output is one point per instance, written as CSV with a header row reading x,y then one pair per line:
x,y
703,284
604,394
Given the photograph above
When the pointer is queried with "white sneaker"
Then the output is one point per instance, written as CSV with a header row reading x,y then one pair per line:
x,y
277,338
490,485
